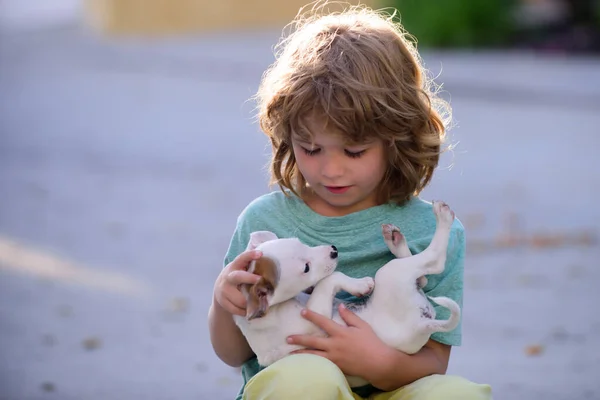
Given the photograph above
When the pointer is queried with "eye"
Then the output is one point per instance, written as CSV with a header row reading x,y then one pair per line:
x,y
311,152
306,267
354,154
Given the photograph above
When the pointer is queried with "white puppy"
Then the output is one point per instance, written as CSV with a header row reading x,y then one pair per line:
x,y
398,310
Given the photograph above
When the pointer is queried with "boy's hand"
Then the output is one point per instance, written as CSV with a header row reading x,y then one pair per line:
x,y
227,287
355,348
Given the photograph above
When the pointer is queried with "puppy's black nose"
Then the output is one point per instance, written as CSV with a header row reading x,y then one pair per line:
x,y
334,252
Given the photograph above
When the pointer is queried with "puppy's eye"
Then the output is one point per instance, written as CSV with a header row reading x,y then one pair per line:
x,y
306,268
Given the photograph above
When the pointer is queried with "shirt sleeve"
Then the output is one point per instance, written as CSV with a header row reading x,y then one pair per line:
x,y
450,284
239,240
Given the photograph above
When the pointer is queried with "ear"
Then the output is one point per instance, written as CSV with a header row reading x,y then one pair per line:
x,y
257,300
259,237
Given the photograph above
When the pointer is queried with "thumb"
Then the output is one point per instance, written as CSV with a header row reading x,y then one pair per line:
x,y
350,318
243,259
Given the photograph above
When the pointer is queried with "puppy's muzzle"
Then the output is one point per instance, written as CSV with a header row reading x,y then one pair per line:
x,y
333,254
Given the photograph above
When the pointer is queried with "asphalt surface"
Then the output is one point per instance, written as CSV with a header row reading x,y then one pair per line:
x,y
124,164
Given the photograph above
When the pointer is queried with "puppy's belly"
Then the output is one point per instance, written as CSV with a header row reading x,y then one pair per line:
x,y
397,320
269,341
402,332
276,353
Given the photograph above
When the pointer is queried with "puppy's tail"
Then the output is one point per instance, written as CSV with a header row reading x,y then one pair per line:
x,y
437,325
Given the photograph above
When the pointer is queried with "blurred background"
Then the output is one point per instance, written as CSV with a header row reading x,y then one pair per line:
x,y
128,147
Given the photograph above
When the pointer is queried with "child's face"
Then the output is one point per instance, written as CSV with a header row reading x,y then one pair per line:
x,y
345,177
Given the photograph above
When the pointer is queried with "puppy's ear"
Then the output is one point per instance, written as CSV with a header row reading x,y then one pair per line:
x,y
257,300
257,295
259,237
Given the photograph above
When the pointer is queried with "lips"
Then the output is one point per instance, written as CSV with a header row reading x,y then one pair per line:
x,y
337,189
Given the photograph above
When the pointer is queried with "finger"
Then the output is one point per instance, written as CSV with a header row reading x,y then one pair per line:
x,y
243,259
231,299
312,351
237,311
237,299
238,277
327,324
350,318
234,309
309,341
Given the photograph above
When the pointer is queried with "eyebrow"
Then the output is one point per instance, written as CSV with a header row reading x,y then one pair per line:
x,y
302,140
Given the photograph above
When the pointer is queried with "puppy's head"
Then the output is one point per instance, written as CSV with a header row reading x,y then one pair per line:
x,y
287,267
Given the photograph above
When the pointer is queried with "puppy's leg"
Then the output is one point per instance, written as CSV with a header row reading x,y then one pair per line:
x,y
435,253
395,241
321,299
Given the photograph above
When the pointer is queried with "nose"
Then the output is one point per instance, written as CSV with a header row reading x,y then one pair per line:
x,y
334,252
332,167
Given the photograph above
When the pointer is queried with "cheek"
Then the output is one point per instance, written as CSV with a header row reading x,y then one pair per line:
x,y
373,163
375,172
380,163
298,155
304,162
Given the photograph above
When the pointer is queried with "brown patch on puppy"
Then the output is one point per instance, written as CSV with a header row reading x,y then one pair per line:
x,y
257,302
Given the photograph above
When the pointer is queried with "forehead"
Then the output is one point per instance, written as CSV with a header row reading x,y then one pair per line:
x,y
279,246
318,130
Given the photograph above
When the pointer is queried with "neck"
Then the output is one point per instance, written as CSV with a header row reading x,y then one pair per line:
x,y
315,203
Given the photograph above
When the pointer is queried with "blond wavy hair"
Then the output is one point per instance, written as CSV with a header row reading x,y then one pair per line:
x,y
360,70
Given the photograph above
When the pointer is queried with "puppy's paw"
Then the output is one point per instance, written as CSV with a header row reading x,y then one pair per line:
x,y
362,287
395,241
392,235
443,212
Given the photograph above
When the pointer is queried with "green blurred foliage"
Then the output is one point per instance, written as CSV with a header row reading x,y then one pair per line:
x,y
456,23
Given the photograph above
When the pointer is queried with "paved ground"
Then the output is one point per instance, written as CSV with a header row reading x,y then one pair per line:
x,y
124,165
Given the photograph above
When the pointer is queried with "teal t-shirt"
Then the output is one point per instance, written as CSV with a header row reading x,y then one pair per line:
x,y
360,244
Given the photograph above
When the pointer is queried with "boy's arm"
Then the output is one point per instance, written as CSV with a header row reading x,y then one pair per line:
x,y
398,369
227,340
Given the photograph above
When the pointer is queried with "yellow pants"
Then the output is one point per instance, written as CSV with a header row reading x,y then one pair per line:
x,y
306,376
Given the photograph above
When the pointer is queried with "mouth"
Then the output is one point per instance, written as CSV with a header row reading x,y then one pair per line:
x,y
337,189
309,290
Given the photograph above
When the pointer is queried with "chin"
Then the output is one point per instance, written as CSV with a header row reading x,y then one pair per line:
x,y
342,203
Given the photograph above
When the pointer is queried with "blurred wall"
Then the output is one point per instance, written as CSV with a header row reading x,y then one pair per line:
x,y
157,17
151,17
